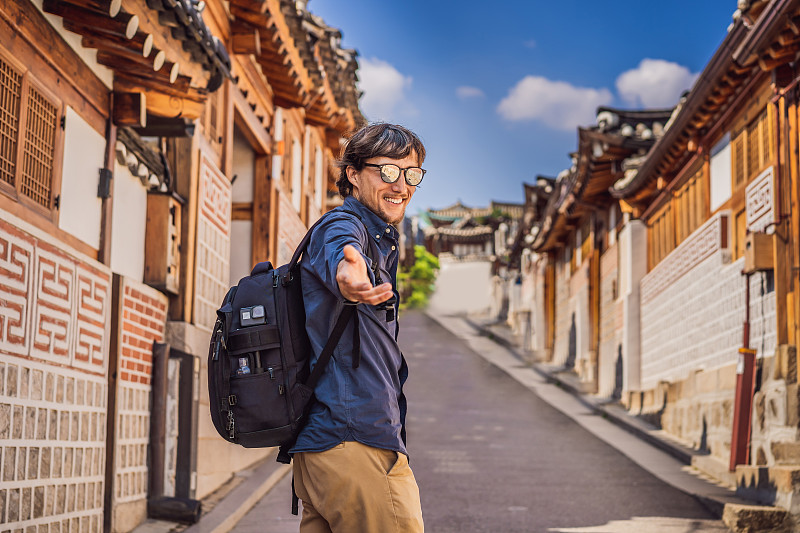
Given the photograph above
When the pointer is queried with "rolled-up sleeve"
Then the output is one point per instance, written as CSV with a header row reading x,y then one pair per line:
x,y
326,249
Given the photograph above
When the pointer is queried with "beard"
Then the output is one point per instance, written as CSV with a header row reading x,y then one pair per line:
x,y
378,209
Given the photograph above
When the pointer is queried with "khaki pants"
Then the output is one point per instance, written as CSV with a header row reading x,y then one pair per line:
x,y
353,488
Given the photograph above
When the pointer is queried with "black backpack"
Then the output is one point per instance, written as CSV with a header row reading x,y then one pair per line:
x,y
259,381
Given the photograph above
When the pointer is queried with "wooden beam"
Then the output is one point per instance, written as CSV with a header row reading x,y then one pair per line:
x,y
28,37
106,7
254,18
242,211
262,210
141,43
246,42
163,40
248,123
130,63
259,5
166,105
127,82
124,24
138,56
130,109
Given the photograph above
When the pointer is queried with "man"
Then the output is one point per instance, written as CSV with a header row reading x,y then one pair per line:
x,y
350,461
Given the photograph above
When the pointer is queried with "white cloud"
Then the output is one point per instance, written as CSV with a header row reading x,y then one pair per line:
x,y
385,90
654,83
556,103
465,92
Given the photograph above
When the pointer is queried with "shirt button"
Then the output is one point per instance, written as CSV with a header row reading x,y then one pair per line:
x,y
377,235
392,247
387,230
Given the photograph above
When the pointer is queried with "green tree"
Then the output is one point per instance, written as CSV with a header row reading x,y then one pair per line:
x,y
417,282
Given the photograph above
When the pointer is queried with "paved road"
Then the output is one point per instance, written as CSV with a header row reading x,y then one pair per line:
x,y
491,456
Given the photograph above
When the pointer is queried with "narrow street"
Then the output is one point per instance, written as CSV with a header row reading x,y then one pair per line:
x,y
491,456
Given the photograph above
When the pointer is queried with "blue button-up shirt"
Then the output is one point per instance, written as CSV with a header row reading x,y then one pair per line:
x,y
364,404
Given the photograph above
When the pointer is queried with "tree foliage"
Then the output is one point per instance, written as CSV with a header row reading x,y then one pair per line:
x,y
416,283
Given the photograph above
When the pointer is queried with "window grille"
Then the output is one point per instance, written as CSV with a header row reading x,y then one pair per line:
x,y
29,136
39,146
10,93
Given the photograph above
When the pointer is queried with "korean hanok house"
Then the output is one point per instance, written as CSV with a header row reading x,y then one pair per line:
x,y
151,151
720,302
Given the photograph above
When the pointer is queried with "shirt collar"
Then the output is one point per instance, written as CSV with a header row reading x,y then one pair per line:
x,y
376,226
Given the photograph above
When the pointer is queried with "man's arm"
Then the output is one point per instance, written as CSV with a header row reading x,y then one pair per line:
x,y
354,282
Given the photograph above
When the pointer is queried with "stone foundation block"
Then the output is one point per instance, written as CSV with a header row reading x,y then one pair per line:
x,y
774,485
786,453
785,363
754,518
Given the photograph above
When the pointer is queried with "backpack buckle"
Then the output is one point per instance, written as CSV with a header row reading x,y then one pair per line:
x,y
232,400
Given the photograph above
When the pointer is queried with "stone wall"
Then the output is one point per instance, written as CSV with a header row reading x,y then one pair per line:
x,y
692,316
693,308
53,346
142,321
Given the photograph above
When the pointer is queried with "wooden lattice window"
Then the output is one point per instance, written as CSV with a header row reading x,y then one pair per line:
x,y
660,235
690,204
752,149
10,95
38,148
29,136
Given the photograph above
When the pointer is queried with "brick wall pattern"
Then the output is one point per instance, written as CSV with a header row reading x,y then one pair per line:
x,y
53,337
697,323
143,321
212,274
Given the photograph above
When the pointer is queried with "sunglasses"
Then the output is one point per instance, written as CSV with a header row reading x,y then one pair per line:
x,y
391,173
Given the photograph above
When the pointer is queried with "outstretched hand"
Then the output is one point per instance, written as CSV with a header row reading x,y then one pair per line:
x,y
354,283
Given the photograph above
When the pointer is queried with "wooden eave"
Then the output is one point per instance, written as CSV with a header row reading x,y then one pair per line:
x,y
698,111
764,48
276,52
131,40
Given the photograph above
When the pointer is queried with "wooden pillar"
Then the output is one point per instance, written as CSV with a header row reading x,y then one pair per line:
x,y
262,211
183,157
550,304
781,240
794,199
104,253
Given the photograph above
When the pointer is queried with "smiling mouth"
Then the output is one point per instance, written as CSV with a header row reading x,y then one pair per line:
x,y
395,201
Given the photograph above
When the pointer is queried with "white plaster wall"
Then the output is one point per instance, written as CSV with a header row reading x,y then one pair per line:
x,y
277,160
89,56
633,267
128,224
241,249
720,173
450,296
244,161
84,156
695,322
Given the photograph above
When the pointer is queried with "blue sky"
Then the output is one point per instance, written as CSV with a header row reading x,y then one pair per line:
x,y
496,90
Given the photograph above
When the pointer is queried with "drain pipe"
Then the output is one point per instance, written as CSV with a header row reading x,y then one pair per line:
x,y
745,388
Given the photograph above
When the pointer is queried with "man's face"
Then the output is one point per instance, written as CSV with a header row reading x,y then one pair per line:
x,y
387,200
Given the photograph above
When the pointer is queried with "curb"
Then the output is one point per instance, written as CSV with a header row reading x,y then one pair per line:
x,y
227,513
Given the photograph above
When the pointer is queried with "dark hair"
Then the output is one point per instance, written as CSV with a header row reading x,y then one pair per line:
x,y
376,140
